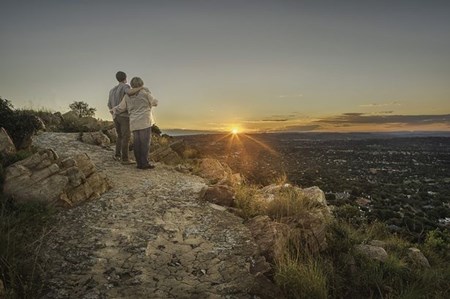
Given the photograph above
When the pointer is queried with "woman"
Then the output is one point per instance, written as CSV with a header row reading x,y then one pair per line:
x,y
139,107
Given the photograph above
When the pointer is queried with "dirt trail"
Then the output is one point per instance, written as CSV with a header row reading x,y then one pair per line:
x,y
148,237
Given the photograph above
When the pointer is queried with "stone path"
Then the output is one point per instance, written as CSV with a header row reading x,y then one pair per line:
x,y
148,237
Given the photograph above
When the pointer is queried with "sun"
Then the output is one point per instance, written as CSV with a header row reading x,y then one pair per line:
x,y
235,131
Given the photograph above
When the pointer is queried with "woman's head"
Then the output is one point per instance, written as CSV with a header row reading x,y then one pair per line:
x,y
136,82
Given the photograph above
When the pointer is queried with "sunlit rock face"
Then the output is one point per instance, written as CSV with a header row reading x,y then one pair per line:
x,y
44,177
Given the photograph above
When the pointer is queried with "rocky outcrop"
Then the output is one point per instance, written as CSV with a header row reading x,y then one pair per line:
x,y
7,146
268,235
46,178
166,155
215,172
95,138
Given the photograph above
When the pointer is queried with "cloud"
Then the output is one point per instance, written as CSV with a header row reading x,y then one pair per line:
x,y
360,118
395,103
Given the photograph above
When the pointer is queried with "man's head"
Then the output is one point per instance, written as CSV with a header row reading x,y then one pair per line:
x,y
121,76
136,82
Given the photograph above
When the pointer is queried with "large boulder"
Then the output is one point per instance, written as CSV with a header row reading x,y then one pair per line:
x,y
269,235
166,155
44,177
95,138
222,195
215,172
7,146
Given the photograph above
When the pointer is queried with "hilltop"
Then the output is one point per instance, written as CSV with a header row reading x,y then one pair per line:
x,y
149,236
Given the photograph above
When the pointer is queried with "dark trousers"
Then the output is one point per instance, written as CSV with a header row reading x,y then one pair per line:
x,y
142,139
122,125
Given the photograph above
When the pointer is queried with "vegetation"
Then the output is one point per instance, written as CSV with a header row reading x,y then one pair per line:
x,y
340,271
20,124
22,230
82,109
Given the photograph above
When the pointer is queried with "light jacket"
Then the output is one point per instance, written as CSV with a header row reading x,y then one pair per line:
x,y
139,107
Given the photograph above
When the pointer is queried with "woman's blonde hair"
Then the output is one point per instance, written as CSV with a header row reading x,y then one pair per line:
x,y
136,82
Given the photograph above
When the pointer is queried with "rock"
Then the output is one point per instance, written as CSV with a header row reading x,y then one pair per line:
x,y
417,258
165,155
314,193
266,289
215,172
267,235
372,252
95,138
183,168
7,146
220,194
260,265
44,177
112,134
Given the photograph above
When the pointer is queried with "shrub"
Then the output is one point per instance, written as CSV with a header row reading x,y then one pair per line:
x,y
20,125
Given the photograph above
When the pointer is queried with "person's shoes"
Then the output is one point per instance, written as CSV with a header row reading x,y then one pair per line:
x,y
128,162
149,166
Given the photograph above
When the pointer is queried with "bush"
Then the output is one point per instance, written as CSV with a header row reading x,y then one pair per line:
x,y
20,125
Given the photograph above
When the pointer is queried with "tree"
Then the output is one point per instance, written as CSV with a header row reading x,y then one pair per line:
x,y
82,109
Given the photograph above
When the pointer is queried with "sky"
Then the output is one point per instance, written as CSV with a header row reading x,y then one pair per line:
x,y
303,65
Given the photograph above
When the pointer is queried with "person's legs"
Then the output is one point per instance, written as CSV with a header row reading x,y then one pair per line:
x,y
137,148
145,146
118,153
125,132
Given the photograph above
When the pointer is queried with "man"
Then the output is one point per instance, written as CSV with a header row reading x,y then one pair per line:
x,y
121,120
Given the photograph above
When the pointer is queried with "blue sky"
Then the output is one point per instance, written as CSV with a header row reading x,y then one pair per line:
x,y
258,65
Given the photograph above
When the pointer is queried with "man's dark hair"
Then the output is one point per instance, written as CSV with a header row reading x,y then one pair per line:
x,y
121,76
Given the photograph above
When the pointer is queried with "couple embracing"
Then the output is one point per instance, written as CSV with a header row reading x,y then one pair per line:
x,y
131,108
